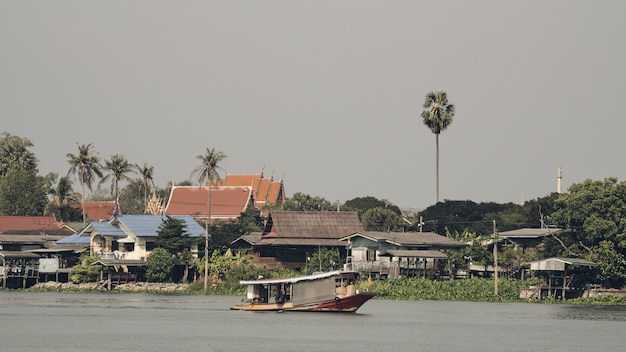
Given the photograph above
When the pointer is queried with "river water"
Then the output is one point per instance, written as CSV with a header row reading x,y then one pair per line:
x,y
51,322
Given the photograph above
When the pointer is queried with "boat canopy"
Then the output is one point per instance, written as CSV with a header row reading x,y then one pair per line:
x,y
293,280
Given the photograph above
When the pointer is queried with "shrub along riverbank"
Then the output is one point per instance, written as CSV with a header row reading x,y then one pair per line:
x,y
473,290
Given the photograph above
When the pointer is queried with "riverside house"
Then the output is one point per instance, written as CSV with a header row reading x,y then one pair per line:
x,y
290,237
124,242
398,254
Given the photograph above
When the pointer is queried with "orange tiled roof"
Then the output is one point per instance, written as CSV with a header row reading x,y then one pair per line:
x,y
265,190
227,202
97,211
28,223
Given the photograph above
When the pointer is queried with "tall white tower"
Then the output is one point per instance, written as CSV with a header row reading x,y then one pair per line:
x,y
559,178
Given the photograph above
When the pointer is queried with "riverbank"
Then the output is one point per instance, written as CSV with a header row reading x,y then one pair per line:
x,y
146,287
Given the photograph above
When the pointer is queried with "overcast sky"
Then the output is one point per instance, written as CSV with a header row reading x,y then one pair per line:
x,y
326,94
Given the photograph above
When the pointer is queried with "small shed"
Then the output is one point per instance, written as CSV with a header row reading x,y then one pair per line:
x,y
424,261
560,275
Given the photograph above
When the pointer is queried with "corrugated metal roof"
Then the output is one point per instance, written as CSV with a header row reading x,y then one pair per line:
x,y
529,232
18,254
148,225
74,239
559,264
312,242
415,254
293,280
107,229
409,238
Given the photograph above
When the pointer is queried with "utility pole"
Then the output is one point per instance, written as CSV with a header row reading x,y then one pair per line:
x,y
495,258
206,240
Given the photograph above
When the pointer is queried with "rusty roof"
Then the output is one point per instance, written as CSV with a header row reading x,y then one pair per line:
x,y
227,202
8,222
312,224
97,211
264,190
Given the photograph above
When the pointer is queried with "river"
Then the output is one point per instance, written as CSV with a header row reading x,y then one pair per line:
x,y
44,321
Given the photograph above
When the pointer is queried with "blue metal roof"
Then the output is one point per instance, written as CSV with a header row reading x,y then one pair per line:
x,y
107,229
74,239
148,225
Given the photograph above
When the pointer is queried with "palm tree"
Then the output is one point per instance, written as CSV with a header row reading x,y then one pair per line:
x,y
87,165
207,172
146,173
118,167
437,116
63,198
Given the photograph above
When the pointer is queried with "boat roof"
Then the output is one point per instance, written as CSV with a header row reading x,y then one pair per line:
x,y
293,280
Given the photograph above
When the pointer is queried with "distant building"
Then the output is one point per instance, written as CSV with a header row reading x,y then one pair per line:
x,y
265,191
289,237
227,202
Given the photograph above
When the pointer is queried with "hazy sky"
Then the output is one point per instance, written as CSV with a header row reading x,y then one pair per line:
x,y
326,94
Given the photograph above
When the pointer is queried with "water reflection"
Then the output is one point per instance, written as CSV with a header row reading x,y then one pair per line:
x,y
92,322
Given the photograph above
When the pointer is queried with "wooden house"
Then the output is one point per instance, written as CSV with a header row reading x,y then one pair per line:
x,y
290,237
528,240
398,254
28,250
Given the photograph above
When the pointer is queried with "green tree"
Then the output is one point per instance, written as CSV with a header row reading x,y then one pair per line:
x,y
381,219
437,116
594,212
173,236
362,204
147,176
118,167
612,270
304,202
208,172
85,271
14,153
159,265
131,197
63,202
251,220
22,192
324,259
87,165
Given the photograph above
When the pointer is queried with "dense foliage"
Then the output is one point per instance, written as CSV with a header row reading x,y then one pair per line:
x,y
594,212
159,265
85,271
475,289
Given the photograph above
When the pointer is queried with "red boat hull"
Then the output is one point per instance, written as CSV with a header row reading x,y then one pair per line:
x,y
348,304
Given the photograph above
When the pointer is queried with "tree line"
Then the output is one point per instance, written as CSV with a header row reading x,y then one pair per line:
x,y
593,212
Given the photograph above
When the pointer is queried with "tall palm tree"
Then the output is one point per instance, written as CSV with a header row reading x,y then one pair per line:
x,y
118,167
146,171
437,116
207,173
87,165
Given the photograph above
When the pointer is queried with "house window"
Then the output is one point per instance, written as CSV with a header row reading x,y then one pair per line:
x,y
115,246
150,246
129,247
371,255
